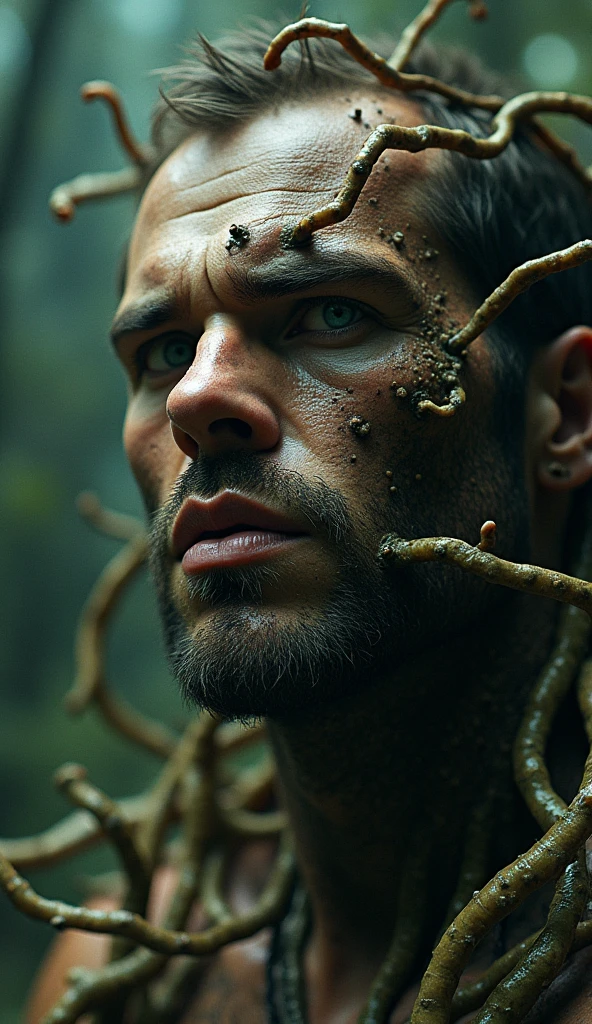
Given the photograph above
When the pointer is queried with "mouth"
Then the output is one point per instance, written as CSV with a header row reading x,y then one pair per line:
x,y
230,531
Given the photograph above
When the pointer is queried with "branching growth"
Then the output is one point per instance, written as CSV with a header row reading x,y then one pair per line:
x,y
520,280
199,788
65,198
538,960
411,36
211,805
426,137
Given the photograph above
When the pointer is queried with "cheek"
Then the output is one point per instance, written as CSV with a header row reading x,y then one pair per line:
x,y
152,454
431,474
349,431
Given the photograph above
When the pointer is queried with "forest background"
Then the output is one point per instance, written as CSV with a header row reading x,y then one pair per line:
x,y
63,396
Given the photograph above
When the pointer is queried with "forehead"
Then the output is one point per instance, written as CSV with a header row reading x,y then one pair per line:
x,y
268,173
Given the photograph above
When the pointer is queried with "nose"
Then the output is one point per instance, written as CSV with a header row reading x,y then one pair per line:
x,y
223,403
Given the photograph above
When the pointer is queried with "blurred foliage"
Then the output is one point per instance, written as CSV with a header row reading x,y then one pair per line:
x,y
63,396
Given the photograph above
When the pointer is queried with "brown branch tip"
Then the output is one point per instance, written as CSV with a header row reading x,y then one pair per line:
x,y
66,197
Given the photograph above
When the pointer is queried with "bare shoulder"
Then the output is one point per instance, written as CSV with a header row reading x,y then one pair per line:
x,y
83,949
233,988
234,980
72,949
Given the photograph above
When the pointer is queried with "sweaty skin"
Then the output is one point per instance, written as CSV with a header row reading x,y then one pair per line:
x,y
219,362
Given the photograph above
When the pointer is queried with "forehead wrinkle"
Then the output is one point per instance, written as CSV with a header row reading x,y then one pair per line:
x,y
216,177
194,186
206,258
249,195
195,156
181,184
174,181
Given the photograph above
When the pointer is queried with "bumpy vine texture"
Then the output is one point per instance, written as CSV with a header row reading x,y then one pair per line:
x,y
199,787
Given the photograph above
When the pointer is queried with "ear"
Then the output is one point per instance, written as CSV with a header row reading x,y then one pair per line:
x,y
563,411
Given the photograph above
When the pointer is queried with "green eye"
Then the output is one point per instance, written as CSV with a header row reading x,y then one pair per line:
x,y
176,353
170,354
330,315
339,314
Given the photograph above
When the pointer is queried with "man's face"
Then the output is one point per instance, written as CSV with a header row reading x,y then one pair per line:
x,y
271,423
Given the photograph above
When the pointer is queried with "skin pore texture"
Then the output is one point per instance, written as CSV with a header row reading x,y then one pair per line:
x,y
392,698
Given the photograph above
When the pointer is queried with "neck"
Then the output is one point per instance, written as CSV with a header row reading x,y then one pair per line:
x,y
381,789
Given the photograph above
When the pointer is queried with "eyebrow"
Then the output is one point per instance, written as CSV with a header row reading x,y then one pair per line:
x,y
283,275
279,278
144,316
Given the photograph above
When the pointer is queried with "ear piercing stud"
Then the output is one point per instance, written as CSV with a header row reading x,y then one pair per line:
x,y
559,471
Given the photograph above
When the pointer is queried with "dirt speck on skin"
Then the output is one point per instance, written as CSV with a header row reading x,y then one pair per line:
x,y
373,202
239,236
357,114
353,458
436,371
359,426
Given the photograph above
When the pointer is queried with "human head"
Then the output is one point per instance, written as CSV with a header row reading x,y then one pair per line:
x,y
308,631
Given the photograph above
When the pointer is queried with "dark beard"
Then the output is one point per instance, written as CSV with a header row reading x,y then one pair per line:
x,y
247,663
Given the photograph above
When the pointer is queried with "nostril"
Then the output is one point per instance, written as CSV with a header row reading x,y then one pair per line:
x,y
235,426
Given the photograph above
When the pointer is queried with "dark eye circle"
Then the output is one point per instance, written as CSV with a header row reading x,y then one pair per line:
x,y
339,314
170,353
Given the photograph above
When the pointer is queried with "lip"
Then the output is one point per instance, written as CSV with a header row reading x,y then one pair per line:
x,y
228,530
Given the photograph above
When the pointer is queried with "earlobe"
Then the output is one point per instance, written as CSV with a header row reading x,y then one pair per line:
x,y
565,453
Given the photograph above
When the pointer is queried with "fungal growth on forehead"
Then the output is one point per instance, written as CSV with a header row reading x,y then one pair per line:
x,y
202,791
239,236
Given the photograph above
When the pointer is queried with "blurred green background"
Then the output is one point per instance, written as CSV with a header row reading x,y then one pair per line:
x,y
62,395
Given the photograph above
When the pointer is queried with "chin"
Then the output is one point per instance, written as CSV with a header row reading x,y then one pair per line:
x,y
251,661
